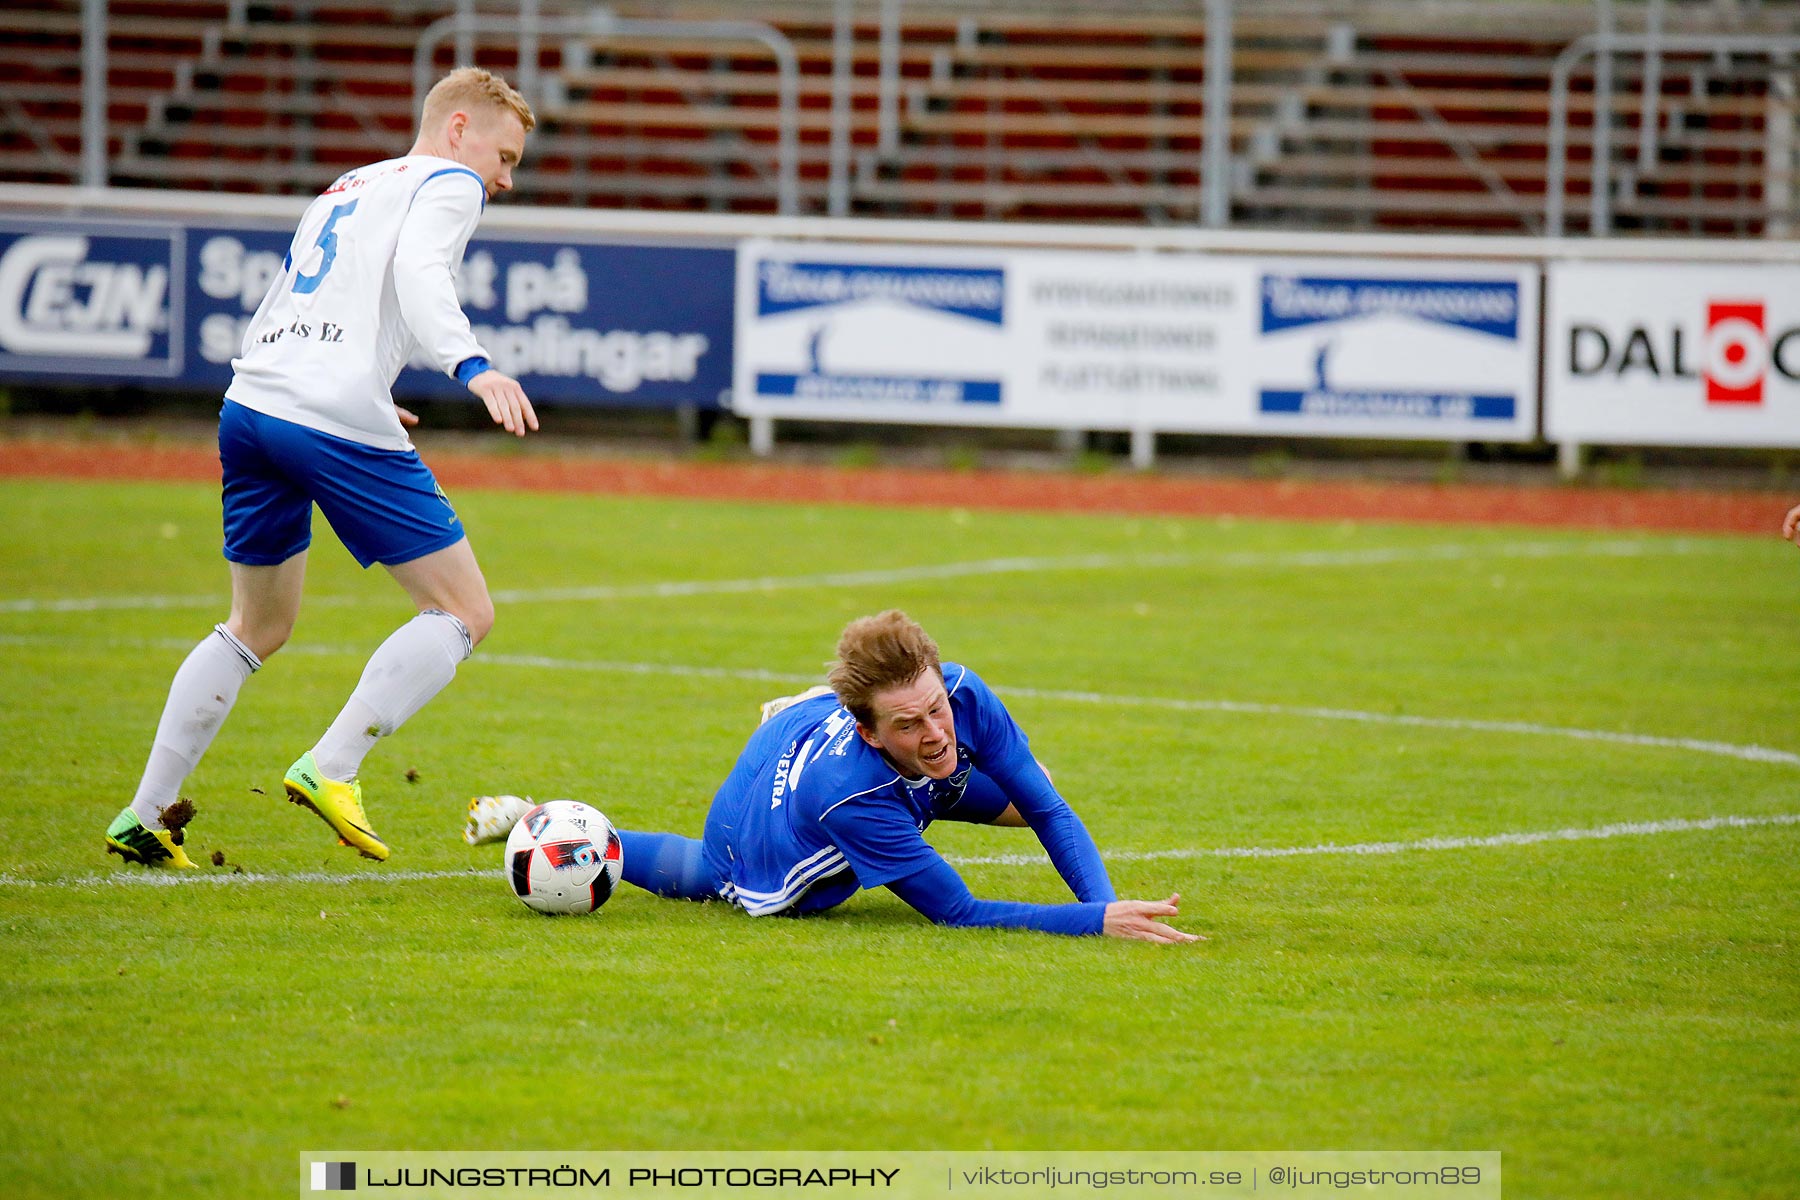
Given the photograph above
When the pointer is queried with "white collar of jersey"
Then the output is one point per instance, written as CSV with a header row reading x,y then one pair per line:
x,y
913,784
895,767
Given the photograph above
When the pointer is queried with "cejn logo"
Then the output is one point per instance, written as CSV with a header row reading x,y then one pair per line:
x,y
1737,352
63,294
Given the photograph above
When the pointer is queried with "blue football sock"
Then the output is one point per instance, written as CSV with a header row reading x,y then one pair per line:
x,y
668,864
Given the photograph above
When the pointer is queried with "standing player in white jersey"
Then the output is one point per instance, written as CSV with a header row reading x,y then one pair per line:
x,y
310,418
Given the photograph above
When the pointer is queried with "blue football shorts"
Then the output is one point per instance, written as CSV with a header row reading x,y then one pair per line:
x,y
384,505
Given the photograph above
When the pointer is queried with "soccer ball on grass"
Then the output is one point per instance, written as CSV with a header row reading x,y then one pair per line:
x,y
563,857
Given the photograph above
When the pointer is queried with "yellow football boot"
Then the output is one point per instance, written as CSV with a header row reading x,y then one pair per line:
x,y
339,805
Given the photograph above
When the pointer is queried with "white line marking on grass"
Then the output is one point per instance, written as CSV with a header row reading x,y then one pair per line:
x,y
679,670
1303,560
1623,829
1024,565
1697,745
99,603
1749,753
166,878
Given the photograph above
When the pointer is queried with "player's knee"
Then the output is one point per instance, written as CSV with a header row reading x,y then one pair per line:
x,y
262,637
478,618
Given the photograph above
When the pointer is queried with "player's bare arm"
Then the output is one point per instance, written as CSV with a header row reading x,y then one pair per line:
x,y
1790,527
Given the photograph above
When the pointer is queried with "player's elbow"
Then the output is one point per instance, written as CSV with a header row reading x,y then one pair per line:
x,y
954,914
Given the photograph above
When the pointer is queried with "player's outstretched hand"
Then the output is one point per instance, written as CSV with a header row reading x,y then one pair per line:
x,y
1790,528
1139,919
506,401
407,416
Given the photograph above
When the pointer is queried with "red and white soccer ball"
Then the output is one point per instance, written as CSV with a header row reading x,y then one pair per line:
x,y
563,857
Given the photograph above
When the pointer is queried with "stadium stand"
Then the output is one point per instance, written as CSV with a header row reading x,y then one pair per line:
x,y
1370,114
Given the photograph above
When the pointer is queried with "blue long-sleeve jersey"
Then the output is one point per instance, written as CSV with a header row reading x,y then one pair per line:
x,y
811,813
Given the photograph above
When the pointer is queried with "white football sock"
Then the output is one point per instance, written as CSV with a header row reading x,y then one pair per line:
x,y
408,669
203,691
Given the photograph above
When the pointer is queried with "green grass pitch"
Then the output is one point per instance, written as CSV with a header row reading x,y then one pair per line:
x,y
1617,1015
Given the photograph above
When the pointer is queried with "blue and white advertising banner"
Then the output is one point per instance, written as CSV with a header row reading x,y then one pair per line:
x,y
853,333
1690,354
1370,348
576,322
1176,343
1014,338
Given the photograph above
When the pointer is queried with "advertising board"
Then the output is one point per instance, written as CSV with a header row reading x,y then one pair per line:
x,y
1673,354
576,322
1172,343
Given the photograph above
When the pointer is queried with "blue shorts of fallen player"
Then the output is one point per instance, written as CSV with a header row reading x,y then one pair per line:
x,y
384,505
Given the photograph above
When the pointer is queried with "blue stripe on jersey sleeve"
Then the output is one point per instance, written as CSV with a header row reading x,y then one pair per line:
x,y
457,171
452,171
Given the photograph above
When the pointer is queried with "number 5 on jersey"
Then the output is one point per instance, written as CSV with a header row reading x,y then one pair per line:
x,y
327,243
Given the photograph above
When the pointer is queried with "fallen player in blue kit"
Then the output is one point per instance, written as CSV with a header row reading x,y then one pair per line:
x,y
835,789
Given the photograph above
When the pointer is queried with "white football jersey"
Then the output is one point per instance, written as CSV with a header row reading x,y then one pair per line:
x,y
368,279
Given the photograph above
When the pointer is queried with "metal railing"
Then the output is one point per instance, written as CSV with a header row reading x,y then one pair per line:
x,y
603,23
1222,176
1604,45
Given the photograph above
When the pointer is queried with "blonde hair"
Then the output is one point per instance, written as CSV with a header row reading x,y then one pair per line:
x,y
876,653
471,87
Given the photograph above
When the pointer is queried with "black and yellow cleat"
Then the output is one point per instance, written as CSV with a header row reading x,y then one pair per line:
x,y
135,842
